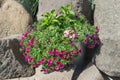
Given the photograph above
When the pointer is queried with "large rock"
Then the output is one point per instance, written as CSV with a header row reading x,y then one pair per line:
x,y
91,73
78,6
12,62
107,16
14,19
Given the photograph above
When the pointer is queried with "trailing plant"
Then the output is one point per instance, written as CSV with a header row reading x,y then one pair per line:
x,y
52,41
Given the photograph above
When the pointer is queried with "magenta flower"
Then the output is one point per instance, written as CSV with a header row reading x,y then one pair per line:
x,y
56,68
90,46
97,28
57,63
45,70
31,42
24,54
62,52
35,65
27,57
40,62
93,36
62,66
56,52
85,41
94,42
27,49
25,35
31,59
50,62
78,51
21,42
73,51
50,52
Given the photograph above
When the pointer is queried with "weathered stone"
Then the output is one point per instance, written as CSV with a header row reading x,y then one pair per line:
x,y
14,19
12,62
91,73
77,5
107,17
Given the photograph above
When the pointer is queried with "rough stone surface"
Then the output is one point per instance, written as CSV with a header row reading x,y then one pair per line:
x,y
91,73
107,16
77,5
12,62
14,19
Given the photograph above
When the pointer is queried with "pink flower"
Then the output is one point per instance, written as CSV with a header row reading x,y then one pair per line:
x,y
78,51
40,62
56,52
24,54
27,49
31,59
56,68
21,42
50,52
25,35
90,46
62,52
45,70
66,33
97,28
35,65
62,66
73,51
57,63
85,41
31,42
74,35
27,57
93,36
50,62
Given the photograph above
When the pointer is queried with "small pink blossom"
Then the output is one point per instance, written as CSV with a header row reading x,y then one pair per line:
x,y
27,57
50,62
45,70
66,33
93,36
24,53
62,66
56,68
63,52
40,62
35,65
21,42
90,46
97,28
27,49
31,42
85,41
50,52
31,59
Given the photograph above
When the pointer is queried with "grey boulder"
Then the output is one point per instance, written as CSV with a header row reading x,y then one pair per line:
x,y
12,62
107,16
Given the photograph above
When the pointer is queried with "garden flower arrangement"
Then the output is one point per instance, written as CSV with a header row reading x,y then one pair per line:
x,y
51,42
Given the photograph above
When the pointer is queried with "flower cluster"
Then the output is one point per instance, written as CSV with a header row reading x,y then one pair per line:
x,y
52,41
